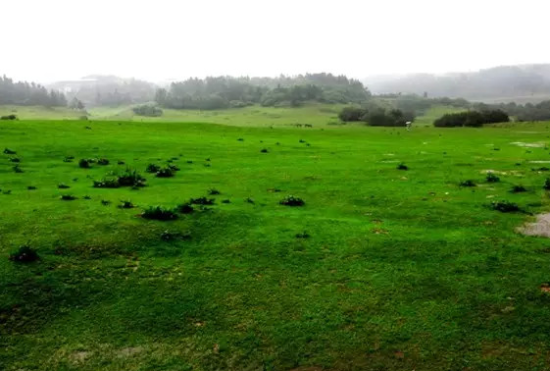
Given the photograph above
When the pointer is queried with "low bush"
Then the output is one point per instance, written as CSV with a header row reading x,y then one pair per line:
x,y
504,206
402,166
213,192
518,189
147,110
546,185
67,198
303,234
107,183
185,208
63,186
8,151
131,178
165,173
17,169
102,161
84,163
202,201
158,213
467,183
14,159
492,178
152,168
292,201
25,254
8,117
126,205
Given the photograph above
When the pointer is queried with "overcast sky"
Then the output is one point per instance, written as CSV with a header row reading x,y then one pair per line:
x,y
48,40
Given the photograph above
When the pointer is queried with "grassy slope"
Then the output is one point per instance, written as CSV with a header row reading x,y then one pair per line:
x,y
404,270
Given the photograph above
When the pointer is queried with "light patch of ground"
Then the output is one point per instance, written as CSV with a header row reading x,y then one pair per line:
x,y
511,172
129,352
530,145
541,227
389,161
79,357
540,162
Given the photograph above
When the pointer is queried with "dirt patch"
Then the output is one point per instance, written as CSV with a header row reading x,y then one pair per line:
x,y
129,352
79,357
541,227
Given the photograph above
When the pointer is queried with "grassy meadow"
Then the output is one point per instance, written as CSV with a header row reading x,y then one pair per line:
x,y
381,269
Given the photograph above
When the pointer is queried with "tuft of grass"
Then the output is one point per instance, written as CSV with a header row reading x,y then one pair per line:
x,y
303,235
467,183
264,150
152,168
17,169
504,206
126,205
102,161
185,208
292,201
546,185
158,213
8,151
213,192
165,172
25,254
402,166
63,186
84,163
518,189
67,198
202,201
492,178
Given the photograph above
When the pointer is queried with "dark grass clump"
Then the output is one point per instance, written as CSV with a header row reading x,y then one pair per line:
x,y
492,178
467,183
250,200
202,201
8,151
226,201
17,169
67,198
159,213
165,173
518,189
152,168
303,235
25,254
121,163
102,161
213,192
87,197
63,186
31,188
126,205
174,168
504,206
7,192
84,163
402,166
107,183
185,209
546,185
68,159
131,178
541,169
264,150
292,201
15,159
105,202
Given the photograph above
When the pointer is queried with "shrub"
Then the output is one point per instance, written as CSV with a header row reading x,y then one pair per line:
x,y
147,110
292,201
102,161
131,178
165,173
492,178
8,151
158,213
84,163
352,114
546,185
467,183
31,188
105,202
15,159
226,201
8,117
152,168
471,118
250,200
174,168
303,234
213,192
402,166
67,198
121,163
518,189
264,150
185,209
25,254
126,205
107,183
17,169
504,206
202,201
63,186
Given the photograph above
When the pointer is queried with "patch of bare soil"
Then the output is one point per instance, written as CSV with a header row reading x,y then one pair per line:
x,y
541,227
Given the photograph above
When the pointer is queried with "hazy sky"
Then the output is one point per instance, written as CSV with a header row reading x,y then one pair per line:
x,y
47,40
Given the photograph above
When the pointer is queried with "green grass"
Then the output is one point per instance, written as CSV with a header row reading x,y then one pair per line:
x,y
402,270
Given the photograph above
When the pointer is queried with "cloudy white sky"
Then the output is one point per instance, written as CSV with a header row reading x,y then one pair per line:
x,y
48,40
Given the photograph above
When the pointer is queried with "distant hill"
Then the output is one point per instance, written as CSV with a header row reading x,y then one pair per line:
x,y
522,84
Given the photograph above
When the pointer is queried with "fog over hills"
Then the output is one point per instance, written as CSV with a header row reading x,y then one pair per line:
x,y
521,83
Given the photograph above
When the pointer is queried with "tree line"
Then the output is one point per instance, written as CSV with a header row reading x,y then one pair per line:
x,y
29,94
231,92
